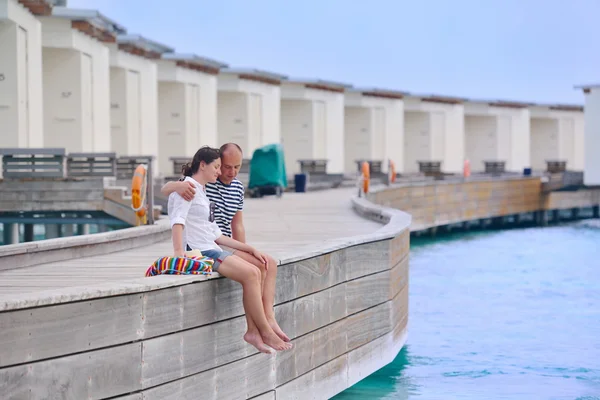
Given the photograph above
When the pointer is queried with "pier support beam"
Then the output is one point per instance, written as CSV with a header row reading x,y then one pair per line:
x,y
11,233
68,230
541,217
28,233
555,215
575,213
596,211
83,229
53,231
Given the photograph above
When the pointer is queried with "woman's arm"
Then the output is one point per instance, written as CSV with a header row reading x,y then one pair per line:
x,y
234,244
178,211
177,236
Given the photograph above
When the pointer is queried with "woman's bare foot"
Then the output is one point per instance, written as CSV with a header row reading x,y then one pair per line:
x,y
271,339
256,340
277,329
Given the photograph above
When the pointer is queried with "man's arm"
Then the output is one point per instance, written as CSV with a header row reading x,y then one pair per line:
x,y
237,227
185,189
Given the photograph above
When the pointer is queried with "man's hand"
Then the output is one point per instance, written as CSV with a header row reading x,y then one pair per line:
x,y
185,189
261,257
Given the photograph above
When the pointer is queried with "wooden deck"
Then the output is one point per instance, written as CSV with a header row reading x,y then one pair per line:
x,y
275,226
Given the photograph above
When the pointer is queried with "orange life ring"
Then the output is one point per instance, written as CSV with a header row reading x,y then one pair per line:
x,y
365,176
138,191
392,171
467,169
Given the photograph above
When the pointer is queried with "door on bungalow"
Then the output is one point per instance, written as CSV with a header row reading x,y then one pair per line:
x,y
255,123
504,134
23,88
438,136
567,141
134,107
194,140
320,126
87,103
378,151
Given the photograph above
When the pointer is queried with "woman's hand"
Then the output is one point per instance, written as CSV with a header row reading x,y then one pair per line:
x,y
261,257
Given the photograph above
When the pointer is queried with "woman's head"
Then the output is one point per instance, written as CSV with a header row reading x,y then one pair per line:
x,y
206,164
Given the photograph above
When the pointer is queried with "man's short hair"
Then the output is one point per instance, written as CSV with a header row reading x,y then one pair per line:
x,y
228,145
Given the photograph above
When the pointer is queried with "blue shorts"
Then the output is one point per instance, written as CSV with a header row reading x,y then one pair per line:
x,y
217,255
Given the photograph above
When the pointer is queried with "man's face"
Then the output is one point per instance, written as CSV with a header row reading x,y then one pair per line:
x,y
231,162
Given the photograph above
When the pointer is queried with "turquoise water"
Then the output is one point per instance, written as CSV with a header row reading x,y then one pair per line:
x,y
499,315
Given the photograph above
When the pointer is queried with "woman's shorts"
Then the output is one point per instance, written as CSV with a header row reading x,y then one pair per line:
x,y
217,255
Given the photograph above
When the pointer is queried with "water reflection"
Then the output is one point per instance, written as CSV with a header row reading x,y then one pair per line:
x,y
387,383
499,315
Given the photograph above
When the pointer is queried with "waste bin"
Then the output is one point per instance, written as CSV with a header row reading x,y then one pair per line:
x,y
300,183
527,171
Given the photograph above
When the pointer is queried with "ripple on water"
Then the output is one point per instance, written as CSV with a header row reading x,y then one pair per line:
x,y
502,314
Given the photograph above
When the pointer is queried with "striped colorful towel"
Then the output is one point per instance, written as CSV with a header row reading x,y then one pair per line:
x,y
192,265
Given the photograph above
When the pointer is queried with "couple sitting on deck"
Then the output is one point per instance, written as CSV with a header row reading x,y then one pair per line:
x,y
202,209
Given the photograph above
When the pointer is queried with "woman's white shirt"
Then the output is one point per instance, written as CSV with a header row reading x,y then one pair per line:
x,y
198,232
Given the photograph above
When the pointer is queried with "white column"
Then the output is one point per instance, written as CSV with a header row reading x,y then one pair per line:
x,y
591,175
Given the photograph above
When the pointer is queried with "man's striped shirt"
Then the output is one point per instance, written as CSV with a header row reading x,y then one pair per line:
x,y
229,199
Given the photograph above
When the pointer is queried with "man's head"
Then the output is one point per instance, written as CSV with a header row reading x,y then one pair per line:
x,y
231,162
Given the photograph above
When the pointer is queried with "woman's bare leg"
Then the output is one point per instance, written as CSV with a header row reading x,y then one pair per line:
x,y
248,276
268,292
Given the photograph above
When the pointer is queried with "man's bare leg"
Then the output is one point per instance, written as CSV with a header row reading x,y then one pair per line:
x,y
268,289
241,271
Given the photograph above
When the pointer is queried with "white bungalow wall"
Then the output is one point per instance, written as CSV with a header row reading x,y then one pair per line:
x,y
496,134
297,133
133,104
433,132
481,140
377,133
187,113
417,140
591,174
76,89
312,126
249,113
21,106
357,141
557,135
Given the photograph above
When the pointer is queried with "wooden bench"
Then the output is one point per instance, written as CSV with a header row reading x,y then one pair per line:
x,y
564,181
126,165
430,168
313,167
374,166
495,167
33,163
554,166
245,168
91,165
178,163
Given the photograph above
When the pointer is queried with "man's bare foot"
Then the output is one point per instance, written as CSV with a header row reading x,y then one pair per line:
x,y
256,340
277,329
271,339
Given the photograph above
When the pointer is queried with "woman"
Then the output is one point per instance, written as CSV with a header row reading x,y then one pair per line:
x,y
193,226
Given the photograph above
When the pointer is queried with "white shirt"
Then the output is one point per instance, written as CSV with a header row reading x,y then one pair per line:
x,y
198,232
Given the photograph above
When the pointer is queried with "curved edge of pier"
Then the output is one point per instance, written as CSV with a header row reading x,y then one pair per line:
x,y
344,304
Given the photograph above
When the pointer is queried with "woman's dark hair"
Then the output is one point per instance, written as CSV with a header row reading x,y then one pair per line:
x,y
206,154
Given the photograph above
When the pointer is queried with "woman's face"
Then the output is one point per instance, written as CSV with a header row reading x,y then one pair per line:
x,y
212,171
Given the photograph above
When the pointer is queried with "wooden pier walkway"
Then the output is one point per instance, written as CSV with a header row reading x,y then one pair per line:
x,y
276,226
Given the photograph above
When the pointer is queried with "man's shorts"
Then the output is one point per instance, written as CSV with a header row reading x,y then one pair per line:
x,y
217,255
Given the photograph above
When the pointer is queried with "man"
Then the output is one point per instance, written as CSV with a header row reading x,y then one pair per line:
x,y
228,196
